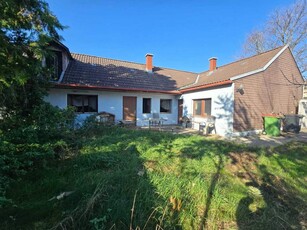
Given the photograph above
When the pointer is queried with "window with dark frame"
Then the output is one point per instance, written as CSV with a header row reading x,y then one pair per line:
x,y
165,105
83,103
54,62
146,105
202,107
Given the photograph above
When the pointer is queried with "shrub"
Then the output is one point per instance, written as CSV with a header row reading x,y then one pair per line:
x,y
28,142
46,123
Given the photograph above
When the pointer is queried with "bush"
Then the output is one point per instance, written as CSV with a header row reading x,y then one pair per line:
x,y
29,142
92,126
45,124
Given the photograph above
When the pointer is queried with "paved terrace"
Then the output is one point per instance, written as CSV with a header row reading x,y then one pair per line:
x,y
254,140
267,141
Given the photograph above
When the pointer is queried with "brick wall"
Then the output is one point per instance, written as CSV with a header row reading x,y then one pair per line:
x,y
267,92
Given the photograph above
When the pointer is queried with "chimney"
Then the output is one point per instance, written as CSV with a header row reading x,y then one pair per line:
x,y
149,66
212,63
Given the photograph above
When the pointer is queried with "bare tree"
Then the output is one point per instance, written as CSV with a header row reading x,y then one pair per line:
x,y
284,26
255,43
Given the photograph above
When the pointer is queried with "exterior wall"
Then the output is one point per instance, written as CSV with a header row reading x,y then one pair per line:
x,y
112,102
302,110
267,92
305,91
222,107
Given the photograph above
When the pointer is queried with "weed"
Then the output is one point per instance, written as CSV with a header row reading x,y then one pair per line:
x,y
182,182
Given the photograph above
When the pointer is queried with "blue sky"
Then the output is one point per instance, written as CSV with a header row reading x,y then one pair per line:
x,y
181,34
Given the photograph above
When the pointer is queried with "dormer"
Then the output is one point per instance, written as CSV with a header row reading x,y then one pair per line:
x,y
57,60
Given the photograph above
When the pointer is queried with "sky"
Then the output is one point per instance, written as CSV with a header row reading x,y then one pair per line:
x,y
180,34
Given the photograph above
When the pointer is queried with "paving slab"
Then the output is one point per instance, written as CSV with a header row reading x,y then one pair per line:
x,y
268,141
253,140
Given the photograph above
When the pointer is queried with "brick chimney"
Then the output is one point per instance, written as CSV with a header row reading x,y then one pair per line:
x,y
149,65
212,63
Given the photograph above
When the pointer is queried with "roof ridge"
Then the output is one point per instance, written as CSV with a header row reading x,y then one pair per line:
x,y
113,59
175,69
246,58
108,58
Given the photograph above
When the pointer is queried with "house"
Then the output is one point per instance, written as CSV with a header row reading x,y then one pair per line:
x,y
236,94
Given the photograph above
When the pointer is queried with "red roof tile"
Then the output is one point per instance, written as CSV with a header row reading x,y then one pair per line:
x,y
103,72
236,68
92,71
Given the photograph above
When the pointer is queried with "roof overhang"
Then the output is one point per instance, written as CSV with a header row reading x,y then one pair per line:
x,y
107,88
61,46
205,86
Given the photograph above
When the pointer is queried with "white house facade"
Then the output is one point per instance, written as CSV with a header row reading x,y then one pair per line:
x,y
234,96
221,99
113,102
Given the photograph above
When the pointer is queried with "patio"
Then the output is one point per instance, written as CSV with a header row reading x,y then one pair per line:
x,y
252,140
270,141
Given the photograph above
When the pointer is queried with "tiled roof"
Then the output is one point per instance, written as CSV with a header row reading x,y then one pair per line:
x,y
92,71
233,69
103,72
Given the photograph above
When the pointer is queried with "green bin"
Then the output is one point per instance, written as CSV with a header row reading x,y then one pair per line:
x,y
272,125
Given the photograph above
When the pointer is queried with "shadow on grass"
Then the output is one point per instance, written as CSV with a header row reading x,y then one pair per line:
x,y
221,152
214,179
271,203
169,181
107,179
215,152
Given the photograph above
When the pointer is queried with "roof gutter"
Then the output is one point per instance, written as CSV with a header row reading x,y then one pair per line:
x,y
74,86
210,85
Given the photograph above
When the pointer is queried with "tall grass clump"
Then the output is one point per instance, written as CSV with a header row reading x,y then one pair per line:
x,y
123,178
30,142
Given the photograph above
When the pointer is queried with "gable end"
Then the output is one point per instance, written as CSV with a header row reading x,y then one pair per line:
x,y
261,69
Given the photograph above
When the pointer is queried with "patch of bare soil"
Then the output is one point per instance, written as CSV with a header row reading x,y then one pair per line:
x,y
151,165
243,165
227,225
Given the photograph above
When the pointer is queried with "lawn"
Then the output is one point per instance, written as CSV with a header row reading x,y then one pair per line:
x,y
117,178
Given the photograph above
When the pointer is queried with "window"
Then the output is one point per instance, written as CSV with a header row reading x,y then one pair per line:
x,y
146,105
165,106
83,103
197,107
54,63
202,107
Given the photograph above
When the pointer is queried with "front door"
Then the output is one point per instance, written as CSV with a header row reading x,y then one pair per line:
x,y
129,108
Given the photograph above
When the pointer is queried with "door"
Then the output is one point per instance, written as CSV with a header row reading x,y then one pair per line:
x,y
129,108
180,110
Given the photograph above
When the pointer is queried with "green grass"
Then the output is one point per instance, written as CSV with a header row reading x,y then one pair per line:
x,y
170,181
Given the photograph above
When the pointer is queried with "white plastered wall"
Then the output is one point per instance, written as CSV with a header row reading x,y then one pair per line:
x,y
112,102
302,110
222,107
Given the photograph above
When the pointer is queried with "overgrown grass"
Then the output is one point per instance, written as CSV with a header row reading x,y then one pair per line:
x,y
124,179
